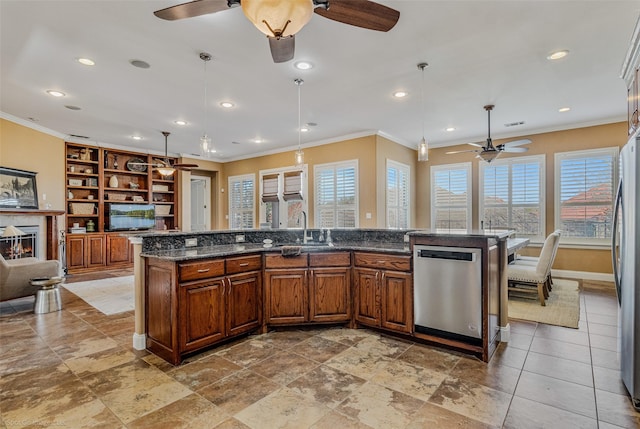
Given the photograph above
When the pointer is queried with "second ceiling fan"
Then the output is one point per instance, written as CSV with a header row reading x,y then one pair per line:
x,y
489,152
280,20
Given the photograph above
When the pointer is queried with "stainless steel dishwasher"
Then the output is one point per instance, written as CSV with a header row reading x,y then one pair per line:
x,y
447,284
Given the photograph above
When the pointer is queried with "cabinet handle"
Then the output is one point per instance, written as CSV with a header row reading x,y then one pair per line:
x,y
203,270
244,264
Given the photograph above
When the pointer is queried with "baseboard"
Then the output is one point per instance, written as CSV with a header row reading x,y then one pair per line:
x,y
505,333
582,275
139,341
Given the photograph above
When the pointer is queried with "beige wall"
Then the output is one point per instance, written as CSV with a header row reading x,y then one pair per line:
x,y
610,135
31,150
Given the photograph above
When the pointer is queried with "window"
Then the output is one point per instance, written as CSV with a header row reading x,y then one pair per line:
x,y
585,182
282,200
241,201
451,197
397,195
336,196
512,195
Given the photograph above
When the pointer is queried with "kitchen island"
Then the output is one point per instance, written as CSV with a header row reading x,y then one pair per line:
x,y
235,282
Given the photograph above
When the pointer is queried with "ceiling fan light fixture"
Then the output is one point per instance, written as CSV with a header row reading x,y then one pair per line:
x,y
278,18
165,171
488,155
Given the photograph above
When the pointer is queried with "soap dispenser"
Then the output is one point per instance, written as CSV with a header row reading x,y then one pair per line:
x,y
321,236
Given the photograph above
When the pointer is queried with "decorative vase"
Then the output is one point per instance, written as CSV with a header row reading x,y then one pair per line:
x,y
113,181
90,226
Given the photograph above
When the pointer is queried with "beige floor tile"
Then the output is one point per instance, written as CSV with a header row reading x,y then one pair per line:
x,y
433,416
617,409
360,363
383,346
527,414
560,333
202,372
33,381
284,367
346,336
320,349
493,375
283,409
564,369
192,411
326,385
609,380
410,379
509,356
248,353
333,420
561,349
431,358
472,400
232,423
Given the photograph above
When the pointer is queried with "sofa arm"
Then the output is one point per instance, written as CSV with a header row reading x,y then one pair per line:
x,y
18,275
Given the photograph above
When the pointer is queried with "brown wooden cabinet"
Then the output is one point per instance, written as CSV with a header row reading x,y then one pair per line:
x,y
383,294
195,304
85,251
308,288
119,250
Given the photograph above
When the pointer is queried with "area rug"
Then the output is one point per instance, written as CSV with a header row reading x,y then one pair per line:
x,y
110,296
562,309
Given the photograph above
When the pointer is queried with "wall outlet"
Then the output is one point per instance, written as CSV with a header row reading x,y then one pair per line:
x,y
368,215
240,238
190,242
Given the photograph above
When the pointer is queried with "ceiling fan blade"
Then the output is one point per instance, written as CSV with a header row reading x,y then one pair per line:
x,y
512,149
516,143
461,151
476,145
192,9
185,165
360,13
282,48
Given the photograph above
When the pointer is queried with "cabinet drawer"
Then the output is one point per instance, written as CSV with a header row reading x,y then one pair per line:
x,y
244,264
200,270
278,261
383,261
333,259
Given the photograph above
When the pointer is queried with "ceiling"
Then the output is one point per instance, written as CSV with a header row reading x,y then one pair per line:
x,y
479,52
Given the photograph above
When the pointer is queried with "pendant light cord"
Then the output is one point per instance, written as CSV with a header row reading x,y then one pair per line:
x,y
422,97
299,82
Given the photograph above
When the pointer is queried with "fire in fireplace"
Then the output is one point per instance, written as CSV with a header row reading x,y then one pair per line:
x,y
20,246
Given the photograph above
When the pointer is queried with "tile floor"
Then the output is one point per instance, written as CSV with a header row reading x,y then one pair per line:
x,y
76,368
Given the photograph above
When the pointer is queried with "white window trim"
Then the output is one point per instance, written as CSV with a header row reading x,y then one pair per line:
x,y
519,159
445,167
280,172
241,177
335,165
407,169
576,242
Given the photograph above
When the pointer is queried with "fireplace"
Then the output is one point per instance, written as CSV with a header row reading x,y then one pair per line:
x,y
20,246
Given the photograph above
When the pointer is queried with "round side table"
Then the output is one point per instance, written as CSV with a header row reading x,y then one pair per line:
x,y
48,296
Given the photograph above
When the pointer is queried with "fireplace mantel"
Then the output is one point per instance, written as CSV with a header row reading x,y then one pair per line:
x,y
52,226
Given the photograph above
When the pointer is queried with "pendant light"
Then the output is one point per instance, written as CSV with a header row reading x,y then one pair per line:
x,y
423,147
206,147
164,168
299,157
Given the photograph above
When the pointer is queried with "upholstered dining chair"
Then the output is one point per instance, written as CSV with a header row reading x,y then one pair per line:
x,y
15,276
533,260
534,279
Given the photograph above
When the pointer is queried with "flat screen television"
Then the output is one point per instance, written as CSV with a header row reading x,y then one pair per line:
x,y
131,217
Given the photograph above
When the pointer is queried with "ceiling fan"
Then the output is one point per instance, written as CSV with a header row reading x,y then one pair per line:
x,y
490,152
280,20
164,166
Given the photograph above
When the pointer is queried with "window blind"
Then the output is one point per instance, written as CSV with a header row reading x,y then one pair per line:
x,y
241,202
587,181
451,197
270,188
292,185
336,195
397,195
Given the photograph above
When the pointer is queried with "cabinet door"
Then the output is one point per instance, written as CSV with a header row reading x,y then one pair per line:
x,y
330,295
96,250
396,301
367,302
118,250
76,252
202,314
244,304
286,296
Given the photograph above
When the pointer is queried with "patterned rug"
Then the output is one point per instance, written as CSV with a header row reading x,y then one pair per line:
x,y
562,309
110,296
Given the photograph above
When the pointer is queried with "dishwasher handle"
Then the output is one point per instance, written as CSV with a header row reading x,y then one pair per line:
x,y
446,254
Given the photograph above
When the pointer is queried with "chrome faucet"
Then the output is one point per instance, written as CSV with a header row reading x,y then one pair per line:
x,y
305,239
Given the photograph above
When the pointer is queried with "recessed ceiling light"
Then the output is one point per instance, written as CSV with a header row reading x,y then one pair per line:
x,y
136,137
227,104
180,122
303,65
258,140
86,61
449,129
140,64
304,129
557,54
564,109
70,107
400,94
55,93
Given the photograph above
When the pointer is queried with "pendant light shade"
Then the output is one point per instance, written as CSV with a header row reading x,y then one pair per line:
x,y
206,146
423,147
299,156
278,18
165,171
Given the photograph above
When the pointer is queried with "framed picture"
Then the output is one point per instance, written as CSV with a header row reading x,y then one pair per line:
x,y
18,189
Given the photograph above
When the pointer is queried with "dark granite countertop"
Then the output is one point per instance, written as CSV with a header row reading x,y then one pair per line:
x,y
474,233
223,250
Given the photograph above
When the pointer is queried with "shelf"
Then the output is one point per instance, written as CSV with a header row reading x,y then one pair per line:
x,y
82,200
125,172
82,187
168,215
164,202
125,190
81,161
82,215
75,173
163,181
162,192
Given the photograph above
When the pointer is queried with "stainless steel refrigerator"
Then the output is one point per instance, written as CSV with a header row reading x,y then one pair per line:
x,y
626,266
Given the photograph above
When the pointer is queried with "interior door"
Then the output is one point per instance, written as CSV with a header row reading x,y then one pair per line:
x,y
200,203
